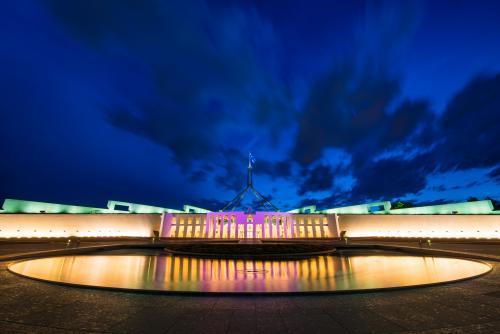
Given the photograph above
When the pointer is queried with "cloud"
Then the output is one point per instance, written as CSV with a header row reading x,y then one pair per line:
x,y
470,126
319,178
204,83
344,108
357,107
212,85
395,142
413,143
198,176
279,169
408,117
391,178
216,88
495,174
353,109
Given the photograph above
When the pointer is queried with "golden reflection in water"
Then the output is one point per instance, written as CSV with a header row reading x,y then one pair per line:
x,y
176,273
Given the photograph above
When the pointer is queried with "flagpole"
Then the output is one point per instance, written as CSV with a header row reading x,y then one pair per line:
x,y
249,177
236,201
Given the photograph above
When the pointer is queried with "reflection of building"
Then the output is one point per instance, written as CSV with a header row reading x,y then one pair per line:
x,y
241,225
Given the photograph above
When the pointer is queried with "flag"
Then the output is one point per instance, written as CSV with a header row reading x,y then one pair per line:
x,y
251,159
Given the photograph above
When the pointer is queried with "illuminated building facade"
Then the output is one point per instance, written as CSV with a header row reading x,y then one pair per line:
x,y
241,225
28,219
231,224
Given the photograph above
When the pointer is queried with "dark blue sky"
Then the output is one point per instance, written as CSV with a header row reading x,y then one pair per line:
x,y
159,102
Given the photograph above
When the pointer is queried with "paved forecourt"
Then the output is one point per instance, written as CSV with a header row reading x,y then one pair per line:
x,y
471,306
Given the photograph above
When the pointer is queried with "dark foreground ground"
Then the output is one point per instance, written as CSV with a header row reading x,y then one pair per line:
x,y
472,306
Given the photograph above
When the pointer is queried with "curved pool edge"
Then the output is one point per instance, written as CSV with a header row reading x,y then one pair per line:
x,y
275,256
337,245
423,251
248,293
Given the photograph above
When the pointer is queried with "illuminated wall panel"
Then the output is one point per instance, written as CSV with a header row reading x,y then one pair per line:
x,y
361,208
305,209
139,208
466,208
237,225
21,206
79,225
425,226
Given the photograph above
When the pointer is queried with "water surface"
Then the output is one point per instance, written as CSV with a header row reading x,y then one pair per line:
x,y
186,274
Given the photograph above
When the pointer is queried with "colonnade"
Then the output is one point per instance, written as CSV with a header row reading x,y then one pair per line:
x,y
228,226
239,225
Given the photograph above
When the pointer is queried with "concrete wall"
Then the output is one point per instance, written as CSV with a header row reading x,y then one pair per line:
x,y
80,225
143,225
428,226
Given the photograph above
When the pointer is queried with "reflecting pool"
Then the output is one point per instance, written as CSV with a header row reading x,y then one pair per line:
x,y
187,274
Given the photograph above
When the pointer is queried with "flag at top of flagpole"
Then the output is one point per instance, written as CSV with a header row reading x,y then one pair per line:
x,y
251,160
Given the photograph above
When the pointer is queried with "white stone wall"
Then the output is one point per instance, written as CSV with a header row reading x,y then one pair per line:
x,y
425,226
143,225
79,225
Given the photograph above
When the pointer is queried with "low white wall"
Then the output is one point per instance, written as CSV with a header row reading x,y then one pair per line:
x,y
143,225
79,225
428,226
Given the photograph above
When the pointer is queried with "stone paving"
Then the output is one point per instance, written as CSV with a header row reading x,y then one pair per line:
x,y
472,306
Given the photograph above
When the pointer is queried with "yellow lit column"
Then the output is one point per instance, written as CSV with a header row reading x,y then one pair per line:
x,y
189,228
180,228
324,227
333,225
211,227
226,222
207,227
309,228
204,227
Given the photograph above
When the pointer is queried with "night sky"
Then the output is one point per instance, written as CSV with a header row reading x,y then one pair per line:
x,y
159,102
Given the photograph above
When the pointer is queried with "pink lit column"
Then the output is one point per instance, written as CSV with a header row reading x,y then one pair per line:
x,y
214,226
166,225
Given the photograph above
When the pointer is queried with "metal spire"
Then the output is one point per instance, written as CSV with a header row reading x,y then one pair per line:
x,y
236,201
